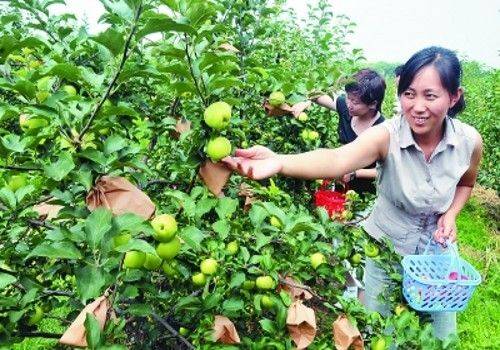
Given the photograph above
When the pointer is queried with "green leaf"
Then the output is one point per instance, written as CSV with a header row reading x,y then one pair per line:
x,y
187,303
66,71
204,206
237,280
226,207
257,215
193,237
92,331
60,169
136,244
6,279
158,22
25,88
261,240
14,143
89,282
114,143
112,40
96,226
8,197
232,306
130,222
222,227
268,326
23,192
56,250
140,309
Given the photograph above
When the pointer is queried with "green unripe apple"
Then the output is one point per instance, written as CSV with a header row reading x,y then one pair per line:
x,y
169,250
232,247
183,331
45,83
248,285
356,259
305,135
371,250
399,309
378,344
264,282
302,117
28,123
266,302
121,239
313,135
209,266
16,182
276,99
274,221
199,279
134,259
152,262
218,148
165,227
70,90
317,259
217,115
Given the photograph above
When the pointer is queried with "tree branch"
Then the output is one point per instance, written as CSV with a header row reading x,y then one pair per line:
x,y
172,330
190,64
39,335
19,168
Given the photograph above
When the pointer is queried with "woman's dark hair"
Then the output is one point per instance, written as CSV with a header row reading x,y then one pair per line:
x,y
369,86
397,70
447,65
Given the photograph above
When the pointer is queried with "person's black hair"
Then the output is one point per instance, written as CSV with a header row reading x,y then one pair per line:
x,y
369,86
447,65
397,70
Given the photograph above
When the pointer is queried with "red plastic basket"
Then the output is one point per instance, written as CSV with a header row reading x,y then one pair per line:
x,y
333,201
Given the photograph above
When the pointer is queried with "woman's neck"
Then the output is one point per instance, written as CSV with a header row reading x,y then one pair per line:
x,y
431,139
367,116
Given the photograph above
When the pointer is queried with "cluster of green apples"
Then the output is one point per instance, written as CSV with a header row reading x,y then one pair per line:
x,y
276,98
169,245
309,135
218,116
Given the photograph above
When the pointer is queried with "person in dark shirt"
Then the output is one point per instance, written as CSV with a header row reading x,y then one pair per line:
x,y
358,110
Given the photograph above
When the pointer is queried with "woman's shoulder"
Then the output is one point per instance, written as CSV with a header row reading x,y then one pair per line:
x,y
465,131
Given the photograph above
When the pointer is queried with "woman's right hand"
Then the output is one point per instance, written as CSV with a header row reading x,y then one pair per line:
x,y
300,107
257,162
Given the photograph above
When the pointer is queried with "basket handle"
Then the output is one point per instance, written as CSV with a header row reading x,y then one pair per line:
x,y
427,246
455,265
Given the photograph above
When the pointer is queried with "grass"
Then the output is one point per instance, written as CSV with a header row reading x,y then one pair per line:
x,y
478,325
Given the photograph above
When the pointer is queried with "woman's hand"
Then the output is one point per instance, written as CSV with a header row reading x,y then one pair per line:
x,y
446,229
300,107
257,162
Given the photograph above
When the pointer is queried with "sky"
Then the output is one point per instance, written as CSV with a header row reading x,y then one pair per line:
x,y
390,30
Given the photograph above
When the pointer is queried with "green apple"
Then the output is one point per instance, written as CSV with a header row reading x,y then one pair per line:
x,y
217,115
305,135
45,83
232,247
317,259
378,344
209,266
121,239
183,331
36,316
274,221
264,282
218,148
165,227
399,309
347,215
199,279
313,135
152,262
356,259
69,89
302,117
169,250
134,259
16,182
371,250
276,99
170,268
28,123
352,195
267,302
248,285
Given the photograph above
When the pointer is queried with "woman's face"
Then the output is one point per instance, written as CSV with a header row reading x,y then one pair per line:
x,y
426,102
356,107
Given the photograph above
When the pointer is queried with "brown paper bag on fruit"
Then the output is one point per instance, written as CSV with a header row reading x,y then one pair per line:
x,y
120,196
75,334
282,109
247,193
301,323
293,288
224,331
228,47
47,211
183,125
346,335
215,176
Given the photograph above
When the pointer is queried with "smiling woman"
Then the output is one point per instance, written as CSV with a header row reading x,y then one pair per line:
x,y
427,166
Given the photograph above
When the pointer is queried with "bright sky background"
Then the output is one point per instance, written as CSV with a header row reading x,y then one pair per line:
x,y
392,30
